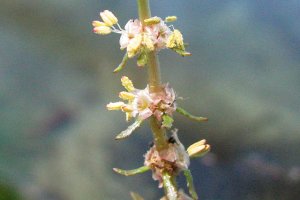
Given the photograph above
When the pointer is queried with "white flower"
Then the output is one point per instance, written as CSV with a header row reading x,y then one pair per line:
x,y
133,28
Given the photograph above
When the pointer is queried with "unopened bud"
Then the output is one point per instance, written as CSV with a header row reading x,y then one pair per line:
x,y
102,30
152,21
127,83
98,23
115,106
170,19
198,149
127,108
108,17
126,95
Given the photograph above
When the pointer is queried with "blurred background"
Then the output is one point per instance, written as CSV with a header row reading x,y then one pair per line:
x,y
57,138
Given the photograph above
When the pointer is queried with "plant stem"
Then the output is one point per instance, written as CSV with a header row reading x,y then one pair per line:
x,y
170,186
154,81
153,63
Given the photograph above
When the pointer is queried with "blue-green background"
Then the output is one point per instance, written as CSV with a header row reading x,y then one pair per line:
x,y
57,138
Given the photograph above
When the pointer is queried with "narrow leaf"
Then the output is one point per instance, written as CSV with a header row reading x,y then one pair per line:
x,y
190,116
190,184
167,121
126,133
139,170
136,196
122,64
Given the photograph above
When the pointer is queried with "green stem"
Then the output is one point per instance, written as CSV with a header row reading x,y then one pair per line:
x,y
159,133
153,63
190,184
154,81
170,186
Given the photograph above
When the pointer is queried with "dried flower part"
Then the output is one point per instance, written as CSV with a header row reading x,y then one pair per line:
x,y
143,104
173,159
198,149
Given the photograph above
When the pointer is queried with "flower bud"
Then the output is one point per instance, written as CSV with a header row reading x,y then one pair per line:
x,y
108,17
115,106
170,19
126,95
102,30
198,149
152,21
127,108
127,83
98,23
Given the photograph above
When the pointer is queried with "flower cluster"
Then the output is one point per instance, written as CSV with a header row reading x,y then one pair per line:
x,y
174,159
143,104
143,39
140,38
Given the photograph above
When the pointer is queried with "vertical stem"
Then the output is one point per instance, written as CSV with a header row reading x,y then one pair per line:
x,y
154,81
153,63
170,186
159,133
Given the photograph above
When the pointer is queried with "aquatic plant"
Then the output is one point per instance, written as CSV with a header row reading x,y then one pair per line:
x,y
141,39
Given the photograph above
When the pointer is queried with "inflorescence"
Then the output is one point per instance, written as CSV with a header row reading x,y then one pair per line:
x,y
140,38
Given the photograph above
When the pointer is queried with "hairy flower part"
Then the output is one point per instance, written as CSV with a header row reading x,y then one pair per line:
x,y
174,159
143,104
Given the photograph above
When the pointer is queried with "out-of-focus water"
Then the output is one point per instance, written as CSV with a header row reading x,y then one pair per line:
x,y
57,139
